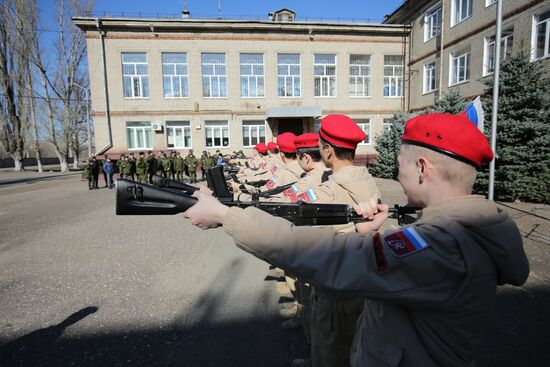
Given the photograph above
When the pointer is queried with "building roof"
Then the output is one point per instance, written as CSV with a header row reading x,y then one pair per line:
x,y
405,13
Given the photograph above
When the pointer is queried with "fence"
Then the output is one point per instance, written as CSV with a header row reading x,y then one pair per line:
x,y
29,162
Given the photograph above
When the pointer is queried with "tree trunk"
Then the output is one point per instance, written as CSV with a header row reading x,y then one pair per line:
x,y
18,162
39,160
63,163
75,159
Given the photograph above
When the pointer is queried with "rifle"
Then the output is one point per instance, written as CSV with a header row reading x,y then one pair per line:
x,y
133,198
160,181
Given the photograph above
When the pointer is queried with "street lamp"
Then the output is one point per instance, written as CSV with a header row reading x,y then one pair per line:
x,y
86,90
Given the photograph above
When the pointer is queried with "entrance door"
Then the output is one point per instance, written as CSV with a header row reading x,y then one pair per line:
x,y
292,125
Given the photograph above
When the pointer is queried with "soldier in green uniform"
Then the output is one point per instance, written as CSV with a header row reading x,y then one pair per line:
x,y
207,161
172,158
120,163
88,173
179,164
152,165
191,162
141,168
127,169
132,163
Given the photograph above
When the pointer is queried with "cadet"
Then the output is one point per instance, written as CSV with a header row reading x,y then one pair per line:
x,y
179,163
152,165
88,173
141,168
206,162
172,168
132,161
273,154
127,169
191,162
430,287
94,170
120,165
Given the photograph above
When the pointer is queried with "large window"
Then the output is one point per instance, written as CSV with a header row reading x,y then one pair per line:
x,y
324,71
139,135
175,75
432,23
393,76
134,74
507,42
178,134
217,134
364,124
252,75
541,41
459,66
214,75
253,133
460,10
359,75
430,77
288,75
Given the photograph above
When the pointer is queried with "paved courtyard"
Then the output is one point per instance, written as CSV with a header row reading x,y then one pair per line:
x,y
80,286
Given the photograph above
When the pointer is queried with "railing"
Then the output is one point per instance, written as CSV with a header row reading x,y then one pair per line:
x,y
152,15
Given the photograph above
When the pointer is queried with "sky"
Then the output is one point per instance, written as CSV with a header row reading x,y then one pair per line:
x,y
373,10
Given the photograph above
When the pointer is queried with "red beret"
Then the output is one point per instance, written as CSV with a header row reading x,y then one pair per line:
x,y
309,140
272,146
452,135
261,147
286,142
341,131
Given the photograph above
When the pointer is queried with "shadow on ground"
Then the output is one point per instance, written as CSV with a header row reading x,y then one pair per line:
x,y
517,335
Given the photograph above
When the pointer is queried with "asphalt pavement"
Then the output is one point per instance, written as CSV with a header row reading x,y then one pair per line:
x,y
80,286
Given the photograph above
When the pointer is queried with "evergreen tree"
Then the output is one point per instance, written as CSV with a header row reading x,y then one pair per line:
x,y
450,102
387,145
522,166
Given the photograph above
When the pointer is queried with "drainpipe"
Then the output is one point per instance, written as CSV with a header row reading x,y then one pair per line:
x,y
105,90
441,47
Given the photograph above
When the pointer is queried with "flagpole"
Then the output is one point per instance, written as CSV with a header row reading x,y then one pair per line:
x,y
494,114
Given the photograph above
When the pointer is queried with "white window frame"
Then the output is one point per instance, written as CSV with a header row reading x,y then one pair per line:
x,y
216,125
256,78
366,126
182,78
536,23
289,78
394,82
431,29
133,130
141,79
456,11
488,3
325,79
253,125
365,78
183,126
219,79
430,74
488,42
455,71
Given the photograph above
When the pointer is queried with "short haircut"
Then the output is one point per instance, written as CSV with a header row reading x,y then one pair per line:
x,y
340,153
289,155
263,154
274,151
313,152
451,170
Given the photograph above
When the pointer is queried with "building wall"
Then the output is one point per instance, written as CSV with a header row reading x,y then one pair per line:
x,y
234,108
468,34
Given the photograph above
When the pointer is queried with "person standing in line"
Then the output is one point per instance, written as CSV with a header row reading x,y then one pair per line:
x,y
179,163
141,168
88,173
120,165
95,167
109,169
172,168
101,163
127,169
152,165
191,162
132,161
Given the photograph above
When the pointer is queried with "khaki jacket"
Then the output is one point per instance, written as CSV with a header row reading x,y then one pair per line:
x,y
425,307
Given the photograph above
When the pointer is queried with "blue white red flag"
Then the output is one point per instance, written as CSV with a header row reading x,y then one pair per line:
x,y
405,242
474,113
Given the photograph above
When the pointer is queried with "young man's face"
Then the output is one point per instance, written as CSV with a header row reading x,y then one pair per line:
x,y
325,154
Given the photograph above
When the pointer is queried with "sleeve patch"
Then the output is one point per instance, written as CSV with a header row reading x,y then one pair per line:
x,y
308,196
405,242
271,183
291,191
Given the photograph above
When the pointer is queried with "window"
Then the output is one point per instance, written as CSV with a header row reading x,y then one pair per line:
x,y
175,75
430,77
139,135
459,68
134,74
217,134
365,126
542,35
432,23
460,10
490,2
252,75
288,75
324,72
393,76
507,41
359,75
178,134
253,133
214,77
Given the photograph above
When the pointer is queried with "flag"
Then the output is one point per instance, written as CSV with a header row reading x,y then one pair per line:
x,y
474,113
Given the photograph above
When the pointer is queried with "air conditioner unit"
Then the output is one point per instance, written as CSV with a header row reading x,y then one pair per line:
x,y
157,126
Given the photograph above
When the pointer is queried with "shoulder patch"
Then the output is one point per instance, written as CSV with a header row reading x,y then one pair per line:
x,y
307,196
271,183
291,191
405,242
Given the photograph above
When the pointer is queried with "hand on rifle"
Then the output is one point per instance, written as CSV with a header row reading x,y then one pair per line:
x,y
208,212
375,214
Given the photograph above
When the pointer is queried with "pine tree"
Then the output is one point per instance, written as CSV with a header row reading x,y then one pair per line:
x,y
387,145
522,166
451,102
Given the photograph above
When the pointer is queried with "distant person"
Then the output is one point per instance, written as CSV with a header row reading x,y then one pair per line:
x,y
219,160
88,173
109,169
94,171
120,164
